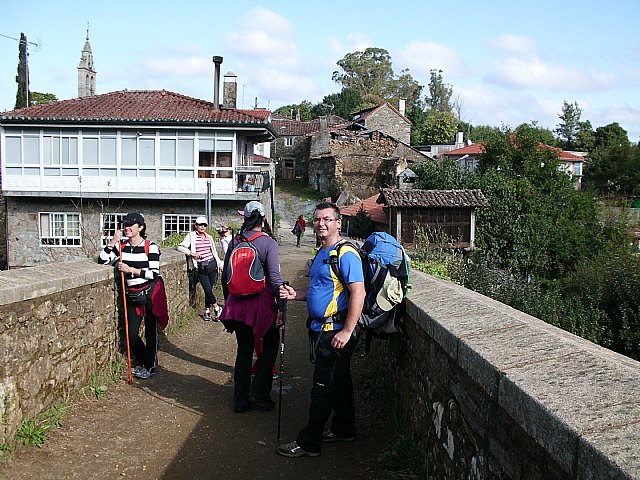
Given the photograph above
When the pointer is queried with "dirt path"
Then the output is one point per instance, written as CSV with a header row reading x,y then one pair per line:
x,y
180,424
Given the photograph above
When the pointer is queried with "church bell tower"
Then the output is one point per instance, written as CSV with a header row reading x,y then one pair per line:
x,y
86,71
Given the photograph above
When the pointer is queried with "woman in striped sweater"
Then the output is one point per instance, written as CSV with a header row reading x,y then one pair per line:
x,y
200,247
140,264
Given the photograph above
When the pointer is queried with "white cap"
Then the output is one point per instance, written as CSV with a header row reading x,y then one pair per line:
x,y
202,220
250,207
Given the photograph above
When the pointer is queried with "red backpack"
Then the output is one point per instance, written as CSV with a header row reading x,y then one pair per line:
x,y
245,273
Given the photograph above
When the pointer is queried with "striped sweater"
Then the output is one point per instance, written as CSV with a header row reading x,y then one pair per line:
x,y
135,257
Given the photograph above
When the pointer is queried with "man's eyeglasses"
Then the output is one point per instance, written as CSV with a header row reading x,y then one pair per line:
x,y
326,220
201,224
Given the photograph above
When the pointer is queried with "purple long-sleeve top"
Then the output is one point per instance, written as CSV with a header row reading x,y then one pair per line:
x,y
259,311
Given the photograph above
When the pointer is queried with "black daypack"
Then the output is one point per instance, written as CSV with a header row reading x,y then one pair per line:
x,y
386,269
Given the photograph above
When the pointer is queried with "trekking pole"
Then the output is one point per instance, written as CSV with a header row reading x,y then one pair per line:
x,y
284,322
126,320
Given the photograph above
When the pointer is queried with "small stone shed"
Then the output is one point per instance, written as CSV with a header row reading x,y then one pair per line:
x,y
450,211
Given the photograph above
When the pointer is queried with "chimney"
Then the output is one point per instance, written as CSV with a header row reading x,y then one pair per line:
x,y
459,139
216,81
402,104
229,90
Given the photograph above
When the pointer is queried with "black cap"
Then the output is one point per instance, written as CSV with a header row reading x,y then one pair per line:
x,y
134,218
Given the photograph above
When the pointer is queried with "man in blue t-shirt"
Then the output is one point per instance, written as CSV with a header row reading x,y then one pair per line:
x,y
333,316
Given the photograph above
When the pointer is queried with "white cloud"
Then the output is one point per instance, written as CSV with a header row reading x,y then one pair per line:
x,y
422,57
264,36
278,87
516,45
535,74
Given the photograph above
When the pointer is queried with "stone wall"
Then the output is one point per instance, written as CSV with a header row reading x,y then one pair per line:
x,y
58,325
360,165
386,120
492,393
23,233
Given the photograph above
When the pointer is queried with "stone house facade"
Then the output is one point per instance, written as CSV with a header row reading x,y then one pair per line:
x,y
385,118
290,150
359,162
72,169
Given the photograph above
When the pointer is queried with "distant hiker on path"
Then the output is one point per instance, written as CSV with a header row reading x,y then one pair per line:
x,y
252,315
139,259
225,238
333,315
298,229
200,247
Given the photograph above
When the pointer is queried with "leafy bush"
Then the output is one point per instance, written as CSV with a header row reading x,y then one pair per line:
x,y
361,226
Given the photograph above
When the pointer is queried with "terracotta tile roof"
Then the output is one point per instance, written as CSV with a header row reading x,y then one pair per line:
x,y
478,149
286,127
294,128
363,114
564,155
139,106
374,209
261,159
394,197
473,149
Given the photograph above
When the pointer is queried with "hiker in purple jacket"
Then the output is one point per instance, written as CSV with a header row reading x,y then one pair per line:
x,y
254,316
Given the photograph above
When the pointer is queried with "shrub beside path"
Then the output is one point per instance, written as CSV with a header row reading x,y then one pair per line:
x,y
180,423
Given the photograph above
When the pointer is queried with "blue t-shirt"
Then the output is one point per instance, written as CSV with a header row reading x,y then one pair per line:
x,y
326,295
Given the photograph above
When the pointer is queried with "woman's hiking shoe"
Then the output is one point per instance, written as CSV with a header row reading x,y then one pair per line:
x,y
262,404
294,450
143,373
207,316
329,436
218,310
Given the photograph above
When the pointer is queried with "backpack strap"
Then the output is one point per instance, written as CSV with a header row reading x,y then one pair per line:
x,y
147,246
334,262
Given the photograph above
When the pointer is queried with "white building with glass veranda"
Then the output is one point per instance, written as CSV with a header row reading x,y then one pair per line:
x,y
72,169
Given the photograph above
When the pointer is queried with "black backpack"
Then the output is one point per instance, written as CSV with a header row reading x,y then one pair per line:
x,y
386,269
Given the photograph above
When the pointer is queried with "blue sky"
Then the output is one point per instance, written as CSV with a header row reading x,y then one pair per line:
x,y
508,61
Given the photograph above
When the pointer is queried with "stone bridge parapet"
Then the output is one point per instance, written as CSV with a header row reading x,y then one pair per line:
x,y
59,325
490,392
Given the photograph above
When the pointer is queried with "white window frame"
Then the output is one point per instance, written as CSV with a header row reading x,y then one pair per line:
x,y
108,223
177,223
62,238
288,141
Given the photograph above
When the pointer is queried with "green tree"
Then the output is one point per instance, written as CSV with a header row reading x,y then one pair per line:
x,y
370,73
418,118
37,98
586,138
612,135
439,127
303,109
482,133
22,79
439,98
614,170
407,88
569,125
442,174
543,135
361,226
343,104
